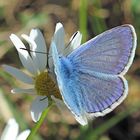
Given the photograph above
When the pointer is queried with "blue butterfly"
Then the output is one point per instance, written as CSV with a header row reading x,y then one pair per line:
x,y
91,78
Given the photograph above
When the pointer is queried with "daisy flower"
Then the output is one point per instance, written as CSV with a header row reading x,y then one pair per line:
x,y
11,131
40,66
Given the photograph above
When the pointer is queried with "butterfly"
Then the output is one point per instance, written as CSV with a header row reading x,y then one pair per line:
x,y
91,78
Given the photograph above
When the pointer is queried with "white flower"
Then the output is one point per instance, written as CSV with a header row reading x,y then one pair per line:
x,y
40,66
11,131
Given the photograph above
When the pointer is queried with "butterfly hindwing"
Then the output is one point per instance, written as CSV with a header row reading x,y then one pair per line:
x,y
101,93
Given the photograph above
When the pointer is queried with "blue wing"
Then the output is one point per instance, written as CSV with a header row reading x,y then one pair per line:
x,y
90,93
67,89
91,79
111,52
101,93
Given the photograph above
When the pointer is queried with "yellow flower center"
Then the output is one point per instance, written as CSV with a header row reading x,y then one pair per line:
x,y
45,86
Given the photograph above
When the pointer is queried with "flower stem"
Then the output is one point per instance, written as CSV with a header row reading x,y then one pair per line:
x,y
39,123
83,19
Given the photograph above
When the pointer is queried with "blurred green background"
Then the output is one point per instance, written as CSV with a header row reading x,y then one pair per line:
x,y
91,17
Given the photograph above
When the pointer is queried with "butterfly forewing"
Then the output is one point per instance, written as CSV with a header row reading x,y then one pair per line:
x,y
111,52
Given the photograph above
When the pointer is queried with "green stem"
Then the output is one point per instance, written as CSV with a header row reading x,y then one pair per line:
x,y
116,119
38,124
113,121
83,19
89,133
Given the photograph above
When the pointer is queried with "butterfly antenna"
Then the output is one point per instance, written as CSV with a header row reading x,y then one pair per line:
x,y
43,98
71,39
29,50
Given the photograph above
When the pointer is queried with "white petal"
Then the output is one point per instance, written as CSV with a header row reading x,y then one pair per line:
x,y
18,74
63,108
50,61
23,54
10,131
38,106
59,37
37,44
19,90
75,42
33,46
37,36
23,135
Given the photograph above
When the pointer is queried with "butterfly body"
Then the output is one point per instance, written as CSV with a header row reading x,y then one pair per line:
x,y
68,72
91,78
